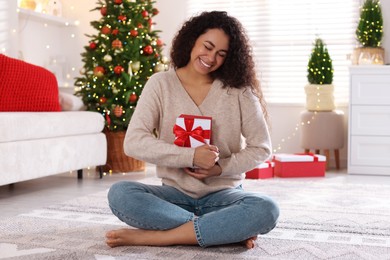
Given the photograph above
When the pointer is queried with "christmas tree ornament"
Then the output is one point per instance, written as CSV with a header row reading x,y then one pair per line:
x,y
118,111
164,59
105,30
155,11
103,11
134,33
145,14
159,42
107,58
115,32
159,67
148,49
122,18
135,66
116,44
118,70
98,71
133,98
92,45
118,2
102,100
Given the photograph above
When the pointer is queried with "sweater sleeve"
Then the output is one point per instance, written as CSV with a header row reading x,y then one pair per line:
x,y
140,143
257,139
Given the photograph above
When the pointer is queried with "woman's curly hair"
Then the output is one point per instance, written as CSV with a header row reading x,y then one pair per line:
x,y
238,69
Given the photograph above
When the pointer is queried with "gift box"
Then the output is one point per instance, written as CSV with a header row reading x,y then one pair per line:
x,y
299,165
262,171
192,131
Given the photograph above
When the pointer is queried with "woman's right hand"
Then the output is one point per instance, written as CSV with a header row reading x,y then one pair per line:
x,y
206,156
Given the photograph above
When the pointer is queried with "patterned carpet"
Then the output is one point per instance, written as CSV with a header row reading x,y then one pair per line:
x,y
319,220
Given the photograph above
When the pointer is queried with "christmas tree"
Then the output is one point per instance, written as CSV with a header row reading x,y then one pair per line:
x,y
119,59
320,70
370,28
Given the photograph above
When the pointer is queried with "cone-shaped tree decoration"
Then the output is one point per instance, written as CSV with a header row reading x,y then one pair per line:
x,y
370,28
119,59
320,69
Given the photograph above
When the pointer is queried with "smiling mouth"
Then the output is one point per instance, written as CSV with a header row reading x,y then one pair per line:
x,y
204,63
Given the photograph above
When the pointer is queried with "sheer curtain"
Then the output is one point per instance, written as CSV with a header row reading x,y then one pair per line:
x,y
282,33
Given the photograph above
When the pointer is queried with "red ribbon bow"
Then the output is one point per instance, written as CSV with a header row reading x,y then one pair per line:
x,y
183,135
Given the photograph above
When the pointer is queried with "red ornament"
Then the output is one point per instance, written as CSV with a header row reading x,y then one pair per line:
x,y
159,42
105,30
108,119
140,26
118,2
102,100
99,71
133,98
122,18
118,70
118,111
115,32
145,14
92,45
148,49
155,11
134,33
116,44
103,11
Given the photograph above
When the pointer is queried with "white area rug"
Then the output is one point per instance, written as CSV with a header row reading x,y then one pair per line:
x,y
319,220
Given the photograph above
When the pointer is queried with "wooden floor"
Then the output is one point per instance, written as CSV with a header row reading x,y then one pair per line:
x,y
29,195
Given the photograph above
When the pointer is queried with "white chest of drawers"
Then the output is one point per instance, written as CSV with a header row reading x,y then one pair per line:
x,y
369,120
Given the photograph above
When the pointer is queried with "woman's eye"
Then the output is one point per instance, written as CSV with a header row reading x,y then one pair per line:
x,y
208,47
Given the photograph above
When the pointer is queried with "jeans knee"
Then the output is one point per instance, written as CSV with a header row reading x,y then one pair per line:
x,y
117,191
268,214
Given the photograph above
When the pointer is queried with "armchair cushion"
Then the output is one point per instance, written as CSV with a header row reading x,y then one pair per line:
x,y
26,87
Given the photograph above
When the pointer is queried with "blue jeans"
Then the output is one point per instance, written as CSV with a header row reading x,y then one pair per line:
x,y
223,217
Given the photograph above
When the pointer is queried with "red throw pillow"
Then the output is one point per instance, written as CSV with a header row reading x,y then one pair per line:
x,y
26,87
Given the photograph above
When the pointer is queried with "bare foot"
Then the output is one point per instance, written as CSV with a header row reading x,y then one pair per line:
x,y
126,237
182,235
250,242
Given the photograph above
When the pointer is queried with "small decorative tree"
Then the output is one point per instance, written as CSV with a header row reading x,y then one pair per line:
x,y
319,91
369,34
320,69
370,28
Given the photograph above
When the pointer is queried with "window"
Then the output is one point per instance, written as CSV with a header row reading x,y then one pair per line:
x,y
282,34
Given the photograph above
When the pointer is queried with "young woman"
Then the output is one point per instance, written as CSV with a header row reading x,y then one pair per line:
x,y
201,201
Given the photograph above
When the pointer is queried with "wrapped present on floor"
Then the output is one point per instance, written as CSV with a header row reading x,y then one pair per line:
x,y
262,171
192,131
299,165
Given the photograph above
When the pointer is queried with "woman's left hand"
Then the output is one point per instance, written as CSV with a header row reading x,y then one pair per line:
x,y
201,174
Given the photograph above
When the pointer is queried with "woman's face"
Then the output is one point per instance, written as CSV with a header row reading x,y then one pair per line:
x,y
209,51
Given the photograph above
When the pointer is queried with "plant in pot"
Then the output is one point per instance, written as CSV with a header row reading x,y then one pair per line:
x,y
369,33
319,91
118,60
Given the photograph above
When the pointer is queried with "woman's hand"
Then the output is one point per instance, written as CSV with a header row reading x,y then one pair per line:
x,y
200,173
206,156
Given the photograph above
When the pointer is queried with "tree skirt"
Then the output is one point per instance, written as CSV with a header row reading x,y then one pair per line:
x,y
320,219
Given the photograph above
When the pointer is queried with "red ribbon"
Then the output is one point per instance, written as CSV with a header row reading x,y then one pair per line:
x,y
183,135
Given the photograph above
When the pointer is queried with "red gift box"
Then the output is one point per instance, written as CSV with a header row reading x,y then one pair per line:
x,y
299,165
262,171
192,131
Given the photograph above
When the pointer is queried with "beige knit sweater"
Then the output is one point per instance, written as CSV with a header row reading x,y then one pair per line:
x,y
237,116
